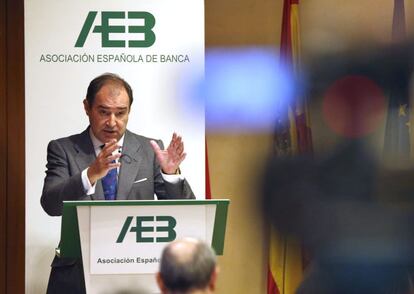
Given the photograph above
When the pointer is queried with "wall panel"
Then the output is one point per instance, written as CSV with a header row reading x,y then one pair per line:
x,y
15,148
3,145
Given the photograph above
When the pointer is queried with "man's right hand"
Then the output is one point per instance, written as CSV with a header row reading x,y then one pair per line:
x,y
104,162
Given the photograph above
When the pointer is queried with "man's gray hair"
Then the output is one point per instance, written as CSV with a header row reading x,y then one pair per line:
x,y
192,271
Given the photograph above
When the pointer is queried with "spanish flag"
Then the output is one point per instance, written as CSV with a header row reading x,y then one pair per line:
x,y
292,136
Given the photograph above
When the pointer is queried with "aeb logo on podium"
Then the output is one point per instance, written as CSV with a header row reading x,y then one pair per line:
x,y
139,228
129,240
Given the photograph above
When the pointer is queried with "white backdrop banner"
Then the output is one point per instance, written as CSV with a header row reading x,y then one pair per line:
x,y
155,45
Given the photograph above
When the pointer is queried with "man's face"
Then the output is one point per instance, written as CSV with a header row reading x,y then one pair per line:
x,y
108,115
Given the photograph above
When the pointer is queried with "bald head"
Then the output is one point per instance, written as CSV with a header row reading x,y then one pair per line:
x,y
187,264
183,250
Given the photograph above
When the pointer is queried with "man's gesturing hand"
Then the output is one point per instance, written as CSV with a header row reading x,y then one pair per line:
x,y
170,158
104,162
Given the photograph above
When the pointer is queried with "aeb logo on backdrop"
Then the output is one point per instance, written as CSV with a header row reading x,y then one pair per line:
x,y
105,28
167,227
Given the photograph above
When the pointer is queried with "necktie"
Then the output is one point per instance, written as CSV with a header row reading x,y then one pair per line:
x,y
109,184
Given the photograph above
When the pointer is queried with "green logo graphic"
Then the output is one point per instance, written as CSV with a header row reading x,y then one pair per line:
x,y
105,28
140,228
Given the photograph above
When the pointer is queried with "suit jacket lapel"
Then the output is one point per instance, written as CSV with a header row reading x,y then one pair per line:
x,y
130,163
85,155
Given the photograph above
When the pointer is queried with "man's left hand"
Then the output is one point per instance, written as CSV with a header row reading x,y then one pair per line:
x,y
170,158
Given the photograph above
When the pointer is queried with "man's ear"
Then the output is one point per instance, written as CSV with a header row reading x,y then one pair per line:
x,y
86,106
213,279
160,283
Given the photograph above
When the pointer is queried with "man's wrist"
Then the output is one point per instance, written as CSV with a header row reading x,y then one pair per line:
x,y
91,178
87,186
172,179
177,172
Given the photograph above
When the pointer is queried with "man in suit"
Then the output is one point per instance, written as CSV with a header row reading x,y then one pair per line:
x,y
106,161
187,266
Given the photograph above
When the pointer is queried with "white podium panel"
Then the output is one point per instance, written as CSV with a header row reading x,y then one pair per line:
x,y
121,242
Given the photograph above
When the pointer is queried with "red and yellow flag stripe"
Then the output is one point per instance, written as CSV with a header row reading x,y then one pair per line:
x,y
285,252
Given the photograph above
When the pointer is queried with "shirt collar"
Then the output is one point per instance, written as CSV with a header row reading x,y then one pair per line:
x,y
97,143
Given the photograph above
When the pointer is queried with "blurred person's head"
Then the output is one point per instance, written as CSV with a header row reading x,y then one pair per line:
x,y
187,266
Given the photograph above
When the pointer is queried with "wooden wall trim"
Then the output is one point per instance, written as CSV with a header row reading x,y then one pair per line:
x,y
15,148
3,146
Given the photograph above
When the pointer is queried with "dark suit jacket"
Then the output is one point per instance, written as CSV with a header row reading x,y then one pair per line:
x,y
68,157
